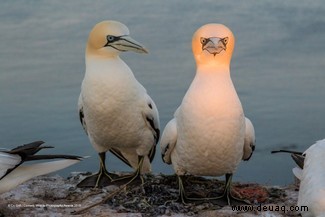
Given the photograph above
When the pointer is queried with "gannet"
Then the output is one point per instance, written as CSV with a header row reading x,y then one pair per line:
x,y
114,108
311,173
12,173
209,134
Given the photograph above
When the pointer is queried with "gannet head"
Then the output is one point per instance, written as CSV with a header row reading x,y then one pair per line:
x,y
110,38
212,45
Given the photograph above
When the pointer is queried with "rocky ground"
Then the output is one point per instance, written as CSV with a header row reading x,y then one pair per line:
x,y
58,196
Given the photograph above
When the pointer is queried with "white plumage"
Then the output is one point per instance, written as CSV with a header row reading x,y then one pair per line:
x,y
12,173
312,181
249,145
208,134
7,162
115,109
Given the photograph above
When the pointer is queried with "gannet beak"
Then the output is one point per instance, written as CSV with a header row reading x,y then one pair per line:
x,y
126,43
214,45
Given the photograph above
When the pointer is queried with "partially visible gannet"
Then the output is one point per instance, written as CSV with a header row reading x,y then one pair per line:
x,y
12,173
115,110
209,134
311,173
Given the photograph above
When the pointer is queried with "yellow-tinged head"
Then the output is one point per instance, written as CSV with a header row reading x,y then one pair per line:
x,y
212,45
109,38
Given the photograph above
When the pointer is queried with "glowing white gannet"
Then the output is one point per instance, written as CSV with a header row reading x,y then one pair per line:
x,y
209,134
12,173
115,110
311,172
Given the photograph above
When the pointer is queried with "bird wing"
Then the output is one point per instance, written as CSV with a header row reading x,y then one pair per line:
x,y
168,141
120,156
151,117
297,172
81,114
297,156
249,144
11,160
8,162
28,149
24,173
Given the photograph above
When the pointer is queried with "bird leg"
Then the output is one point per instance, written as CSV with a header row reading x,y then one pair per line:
x,y
182,197
133,178
101,179
227,198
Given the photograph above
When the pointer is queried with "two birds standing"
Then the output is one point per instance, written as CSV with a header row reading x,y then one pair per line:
x,y
209,134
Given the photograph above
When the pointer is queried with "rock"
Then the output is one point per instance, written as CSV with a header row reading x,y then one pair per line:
x,y
58,196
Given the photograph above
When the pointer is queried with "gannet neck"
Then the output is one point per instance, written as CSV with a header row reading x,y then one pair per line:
x,y
213,68
92,53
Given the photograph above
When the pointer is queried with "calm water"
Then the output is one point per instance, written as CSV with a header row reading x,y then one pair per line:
x,y
277,68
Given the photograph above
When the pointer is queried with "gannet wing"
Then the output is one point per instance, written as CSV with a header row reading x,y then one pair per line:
x,y
297,156
299,159
249,144
28,149
168,141
8,162
24,173
297,172
151,118
120,156
11,160
81,114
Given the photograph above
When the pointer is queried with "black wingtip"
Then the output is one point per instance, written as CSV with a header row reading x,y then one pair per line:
x,y
286,151
53,156
28,149
299,159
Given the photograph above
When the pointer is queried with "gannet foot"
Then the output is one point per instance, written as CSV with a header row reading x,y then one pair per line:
x,y
132,179
98,180
183,198
101,179
227,198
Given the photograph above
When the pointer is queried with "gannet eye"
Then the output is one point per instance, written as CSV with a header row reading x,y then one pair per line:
x,y
203,40
111,38
225,40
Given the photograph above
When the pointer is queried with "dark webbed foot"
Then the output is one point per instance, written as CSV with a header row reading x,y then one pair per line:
x,y
185,199
225,199
101,179
97,180
132,179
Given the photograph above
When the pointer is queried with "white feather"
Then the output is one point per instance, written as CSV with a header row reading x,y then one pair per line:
x,y
8,161
312,185
26,172
297,172
249,144
168,141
